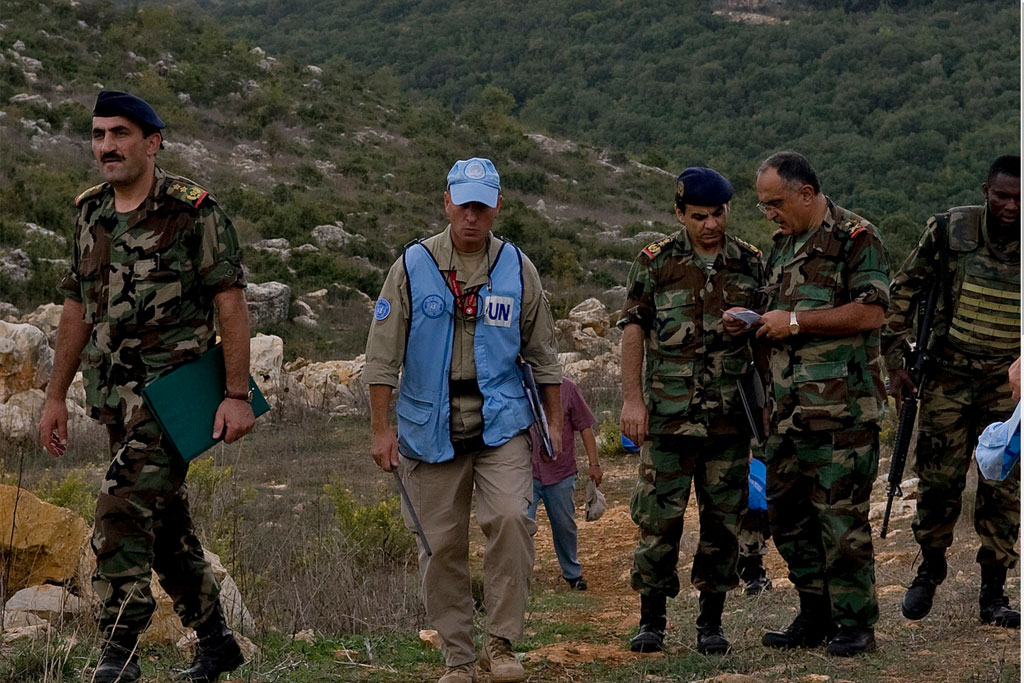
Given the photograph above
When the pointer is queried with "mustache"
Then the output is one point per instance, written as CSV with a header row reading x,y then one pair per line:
x,y
112,157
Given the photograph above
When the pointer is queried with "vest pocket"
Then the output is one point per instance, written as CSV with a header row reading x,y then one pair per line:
x,y
822,390
414,410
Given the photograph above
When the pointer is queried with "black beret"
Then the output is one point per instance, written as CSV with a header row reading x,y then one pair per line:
x,y
114,103
703,187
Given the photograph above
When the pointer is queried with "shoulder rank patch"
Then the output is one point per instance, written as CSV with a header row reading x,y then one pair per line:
x,y
858,230
187,192
749,247
653,248
91,192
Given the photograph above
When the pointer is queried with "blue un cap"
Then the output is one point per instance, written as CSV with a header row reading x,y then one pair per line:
x,y
116,103
474,180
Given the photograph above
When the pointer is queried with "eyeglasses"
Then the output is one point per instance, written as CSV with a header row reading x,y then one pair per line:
x,y
773,205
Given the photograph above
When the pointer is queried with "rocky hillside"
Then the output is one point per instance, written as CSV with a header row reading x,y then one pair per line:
x,y
326,169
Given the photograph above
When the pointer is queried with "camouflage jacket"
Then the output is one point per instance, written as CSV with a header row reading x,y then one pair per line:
x,y
818,382
146,280
692,363
977,321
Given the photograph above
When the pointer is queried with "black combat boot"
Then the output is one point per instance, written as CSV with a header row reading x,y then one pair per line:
x,y
118,662
852,640
216,652
752,574
651,637
995,606
710,637
811,628
917,602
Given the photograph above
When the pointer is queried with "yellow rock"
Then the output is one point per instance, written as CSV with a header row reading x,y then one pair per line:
x,y
51,543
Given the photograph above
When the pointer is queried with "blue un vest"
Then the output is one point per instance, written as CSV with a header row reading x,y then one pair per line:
x,y
424,427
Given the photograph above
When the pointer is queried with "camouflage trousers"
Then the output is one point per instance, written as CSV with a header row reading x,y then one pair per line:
x,y
753,534
819,484
954,409
143,524
717,466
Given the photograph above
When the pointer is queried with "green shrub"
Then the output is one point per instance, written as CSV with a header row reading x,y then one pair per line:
x,y
73,492
376,530
609,439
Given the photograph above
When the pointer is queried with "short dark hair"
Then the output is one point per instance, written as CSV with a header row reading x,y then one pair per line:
x,y
792,167
1008,164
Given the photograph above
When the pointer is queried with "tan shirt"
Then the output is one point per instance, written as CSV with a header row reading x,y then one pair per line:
x,y
385,345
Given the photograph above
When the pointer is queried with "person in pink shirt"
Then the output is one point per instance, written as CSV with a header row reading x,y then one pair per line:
x,y
554,480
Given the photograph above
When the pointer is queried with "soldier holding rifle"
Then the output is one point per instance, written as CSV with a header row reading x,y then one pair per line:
x,y
974,251
455,312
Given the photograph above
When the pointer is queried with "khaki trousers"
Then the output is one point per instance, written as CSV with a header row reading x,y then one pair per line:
x,y
442,493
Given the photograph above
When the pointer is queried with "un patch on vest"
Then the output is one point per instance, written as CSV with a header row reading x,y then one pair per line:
x,y
382,310
433,306
498,311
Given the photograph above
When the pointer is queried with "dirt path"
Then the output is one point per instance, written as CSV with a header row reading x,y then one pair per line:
x,y
948,646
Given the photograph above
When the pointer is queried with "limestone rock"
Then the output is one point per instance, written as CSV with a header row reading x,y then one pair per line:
x,y
50,542
235,611
592,314
266,354
48,602
37,632
605,367
26,359
19,417
332,236
15,265
16,618
588,342
269,302
332,386
8,310
278,245
47,319
565,330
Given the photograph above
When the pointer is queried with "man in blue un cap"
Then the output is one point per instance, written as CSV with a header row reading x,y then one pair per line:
x,y
455,312
691,413
160,247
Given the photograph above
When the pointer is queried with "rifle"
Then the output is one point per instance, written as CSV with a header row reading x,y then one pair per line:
x,y
540,419
916,361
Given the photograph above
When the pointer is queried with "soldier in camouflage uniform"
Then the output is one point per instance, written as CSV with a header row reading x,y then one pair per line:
x,y
153,255
677,290
975,338
828,287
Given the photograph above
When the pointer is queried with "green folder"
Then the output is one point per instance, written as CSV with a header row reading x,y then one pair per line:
x,y
185,401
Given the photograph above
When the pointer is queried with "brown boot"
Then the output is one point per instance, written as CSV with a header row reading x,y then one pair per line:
x,y
463,673
499,659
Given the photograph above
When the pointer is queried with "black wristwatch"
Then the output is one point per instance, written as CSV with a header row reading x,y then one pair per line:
x,y
247,397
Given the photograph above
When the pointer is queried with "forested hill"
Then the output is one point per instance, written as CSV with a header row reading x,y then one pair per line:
x,y
902,104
